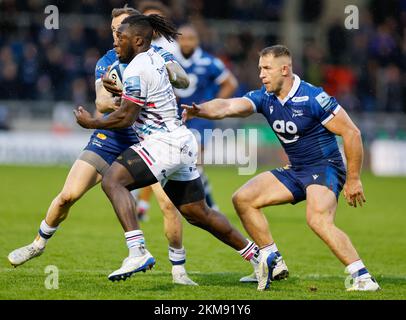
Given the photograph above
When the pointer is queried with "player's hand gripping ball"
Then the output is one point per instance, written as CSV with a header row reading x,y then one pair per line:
x,y
113,81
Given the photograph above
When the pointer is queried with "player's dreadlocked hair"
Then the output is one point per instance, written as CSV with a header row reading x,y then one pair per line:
x,y
146,25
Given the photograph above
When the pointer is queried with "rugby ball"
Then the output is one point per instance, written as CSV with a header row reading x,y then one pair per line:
x,y
116,73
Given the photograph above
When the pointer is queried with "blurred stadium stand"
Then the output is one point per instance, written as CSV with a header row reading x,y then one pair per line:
x,y
45,73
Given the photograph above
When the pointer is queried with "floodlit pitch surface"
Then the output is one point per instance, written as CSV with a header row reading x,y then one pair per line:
x,y
90,244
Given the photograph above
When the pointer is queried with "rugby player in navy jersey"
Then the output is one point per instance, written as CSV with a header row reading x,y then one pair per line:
x,y
103,148
306,121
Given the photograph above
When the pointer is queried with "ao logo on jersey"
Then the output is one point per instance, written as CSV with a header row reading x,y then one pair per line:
x,y
280,126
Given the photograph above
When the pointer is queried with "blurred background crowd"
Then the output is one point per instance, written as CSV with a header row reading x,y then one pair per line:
x,y
364,68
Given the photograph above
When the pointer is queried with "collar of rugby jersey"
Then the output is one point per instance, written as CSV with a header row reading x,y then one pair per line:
x,y
293,90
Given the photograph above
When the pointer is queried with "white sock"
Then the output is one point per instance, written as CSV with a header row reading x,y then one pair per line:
x,y
250,253
270,248
357,269
177,256
135,243
45,232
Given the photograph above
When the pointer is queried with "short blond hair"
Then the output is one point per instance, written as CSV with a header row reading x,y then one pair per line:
x,y
116,12
277,50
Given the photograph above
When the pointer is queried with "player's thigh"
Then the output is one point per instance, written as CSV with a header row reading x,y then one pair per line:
x,y
82,177
129,170
321,203
183,193
263,190
188,197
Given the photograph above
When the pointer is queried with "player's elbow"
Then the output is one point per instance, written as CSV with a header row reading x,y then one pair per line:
x,y
354,133
229,87
181,83
101,106
350,132
233,83
184,82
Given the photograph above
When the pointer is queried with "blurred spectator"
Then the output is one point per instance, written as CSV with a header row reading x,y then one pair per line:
x,y
311,10
9,84
337,37
44,88
53,66
389,89
383,46
29,71
79,91
313,63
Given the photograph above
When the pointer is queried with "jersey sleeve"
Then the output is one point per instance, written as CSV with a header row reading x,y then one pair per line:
x,y
166,55
255,97
101,68
135,85
219,72
324,106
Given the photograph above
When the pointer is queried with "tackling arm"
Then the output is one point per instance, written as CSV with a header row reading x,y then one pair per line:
x,y
219,109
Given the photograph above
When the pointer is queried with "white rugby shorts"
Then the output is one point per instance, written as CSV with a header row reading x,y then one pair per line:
x,y
170,155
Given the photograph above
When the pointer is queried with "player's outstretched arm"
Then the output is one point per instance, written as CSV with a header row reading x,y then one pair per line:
x,y
177,75
123,117
219,109
342,125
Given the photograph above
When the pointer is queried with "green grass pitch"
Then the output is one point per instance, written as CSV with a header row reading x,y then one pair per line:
x,y
90,244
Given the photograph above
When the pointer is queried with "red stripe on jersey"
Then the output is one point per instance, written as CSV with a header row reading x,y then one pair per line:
x,y
138,101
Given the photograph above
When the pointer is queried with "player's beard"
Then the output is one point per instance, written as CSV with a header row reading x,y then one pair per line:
x,y
126,55
187,54
278,87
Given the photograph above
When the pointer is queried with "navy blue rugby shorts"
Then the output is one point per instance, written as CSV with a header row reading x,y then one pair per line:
x,y
331,174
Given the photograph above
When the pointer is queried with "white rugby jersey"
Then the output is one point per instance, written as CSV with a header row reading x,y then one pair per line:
x,y
146,83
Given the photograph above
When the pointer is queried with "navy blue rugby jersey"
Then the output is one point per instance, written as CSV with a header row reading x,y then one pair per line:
x,y
298,122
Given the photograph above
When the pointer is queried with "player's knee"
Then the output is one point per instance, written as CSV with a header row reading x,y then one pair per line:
x,y
168,209
67,198
240,200
197,215
107,184
317,222
193,219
